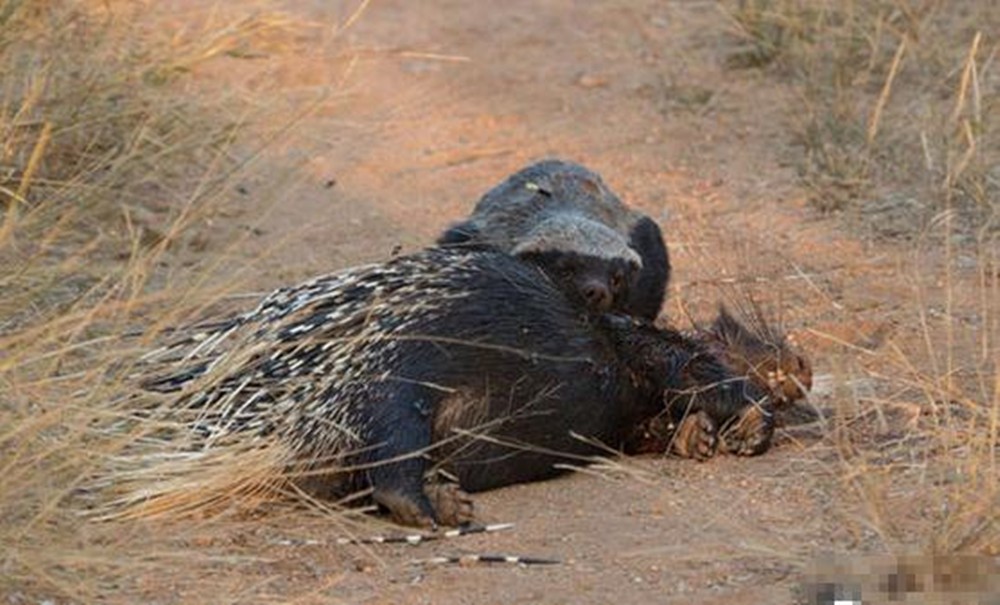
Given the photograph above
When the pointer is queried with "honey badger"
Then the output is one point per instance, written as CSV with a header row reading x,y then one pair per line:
x,y
562,217
468,360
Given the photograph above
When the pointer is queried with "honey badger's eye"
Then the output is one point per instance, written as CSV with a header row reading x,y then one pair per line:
x,y
565,267
617,280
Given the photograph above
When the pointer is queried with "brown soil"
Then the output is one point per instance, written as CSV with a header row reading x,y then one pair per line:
x,y
445,99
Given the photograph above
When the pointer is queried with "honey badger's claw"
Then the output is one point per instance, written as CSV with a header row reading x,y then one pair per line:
x,y
440,504
695,437
749,433
406,510
772,381
453,507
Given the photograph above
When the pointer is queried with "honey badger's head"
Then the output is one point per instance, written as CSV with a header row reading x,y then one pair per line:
x,y
590,262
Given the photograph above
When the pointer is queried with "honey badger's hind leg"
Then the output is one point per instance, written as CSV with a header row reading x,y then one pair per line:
x,y
401,437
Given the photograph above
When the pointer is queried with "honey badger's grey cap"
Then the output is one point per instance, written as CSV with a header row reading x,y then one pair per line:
x,y
566,232
555,184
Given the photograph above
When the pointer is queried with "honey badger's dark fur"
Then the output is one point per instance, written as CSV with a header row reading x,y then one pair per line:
x,y
389,368
562,217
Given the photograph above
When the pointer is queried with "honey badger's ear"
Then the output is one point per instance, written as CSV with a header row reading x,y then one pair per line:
x,y
650,287
459,233
646,238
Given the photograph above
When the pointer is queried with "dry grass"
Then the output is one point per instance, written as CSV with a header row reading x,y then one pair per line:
x,y
899,103
109,173
900,107
921,452
903,460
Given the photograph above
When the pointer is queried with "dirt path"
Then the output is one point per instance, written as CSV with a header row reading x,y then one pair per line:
x,y
444,100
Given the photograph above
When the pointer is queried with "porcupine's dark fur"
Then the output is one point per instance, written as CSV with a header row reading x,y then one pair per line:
x,y
760,352
468,359
561,216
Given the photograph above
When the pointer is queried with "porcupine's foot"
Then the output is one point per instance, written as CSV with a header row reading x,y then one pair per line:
x,y
452,506
749,433
695,437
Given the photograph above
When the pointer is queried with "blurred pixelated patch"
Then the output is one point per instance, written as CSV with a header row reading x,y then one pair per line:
x,y
924,579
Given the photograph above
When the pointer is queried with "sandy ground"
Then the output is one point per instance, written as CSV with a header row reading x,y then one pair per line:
x,y
431,104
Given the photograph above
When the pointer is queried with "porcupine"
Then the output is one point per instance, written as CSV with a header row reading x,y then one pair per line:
x,y
761,352
468,359
562,217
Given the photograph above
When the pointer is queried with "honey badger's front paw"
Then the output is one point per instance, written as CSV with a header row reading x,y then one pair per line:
x,y
748,433
406,508
439,504
452,506
695,437
653,436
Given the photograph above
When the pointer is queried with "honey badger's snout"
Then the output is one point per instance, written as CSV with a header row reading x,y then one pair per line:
x,y
597,294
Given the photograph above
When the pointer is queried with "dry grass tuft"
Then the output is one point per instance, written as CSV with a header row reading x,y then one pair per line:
x,y
900,105
109,173
921,450
899,99
169,482
904,456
